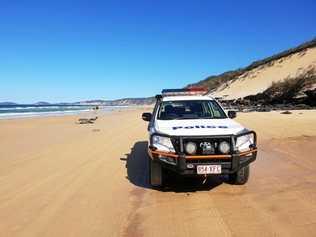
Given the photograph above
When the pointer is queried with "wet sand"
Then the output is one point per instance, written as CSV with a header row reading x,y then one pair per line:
x,y
59,178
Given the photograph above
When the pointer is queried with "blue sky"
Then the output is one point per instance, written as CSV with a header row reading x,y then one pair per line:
x,y
75,50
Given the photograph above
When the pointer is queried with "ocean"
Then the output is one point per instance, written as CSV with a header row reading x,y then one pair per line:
x,y
17,111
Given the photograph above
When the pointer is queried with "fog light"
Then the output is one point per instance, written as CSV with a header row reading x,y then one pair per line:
x,y
224,147
190,148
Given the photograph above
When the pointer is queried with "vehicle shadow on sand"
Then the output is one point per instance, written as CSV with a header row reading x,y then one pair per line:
x,y
137,166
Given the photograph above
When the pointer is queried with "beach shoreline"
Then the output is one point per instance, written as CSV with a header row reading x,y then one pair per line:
x,y
87,111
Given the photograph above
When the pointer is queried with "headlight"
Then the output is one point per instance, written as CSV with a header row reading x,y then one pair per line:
x,y
224,147
243,143
162,143
190,148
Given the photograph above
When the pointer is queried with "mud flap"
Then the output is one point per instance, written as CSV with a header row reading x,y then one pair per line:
x,y
182,165
235,162
155,173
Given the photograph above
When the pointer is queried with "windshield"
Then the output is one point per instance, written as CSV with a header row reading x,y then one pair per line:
x,y
190,109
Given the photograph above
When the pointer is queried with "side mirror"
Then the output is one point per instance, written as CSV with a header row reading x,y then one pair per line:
x,y
146,116
232,114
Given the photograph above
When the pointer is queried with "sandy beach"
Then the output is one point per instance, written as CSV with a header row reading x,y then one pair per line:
x,y
59,178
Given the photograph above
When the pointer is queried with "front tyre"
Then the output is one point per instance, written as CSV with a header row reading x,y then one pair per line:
x,y
240,177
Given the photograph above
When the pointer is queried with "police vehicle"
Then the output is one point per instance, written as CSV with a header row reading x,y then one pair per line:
x,y
190,134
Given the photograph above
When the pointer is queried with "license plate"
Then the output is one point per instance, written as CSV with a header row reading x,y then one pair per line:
x,y
209,169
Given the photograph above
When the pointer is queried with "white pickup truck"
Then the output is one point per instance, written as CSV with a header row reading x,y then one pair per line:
x,y
190,134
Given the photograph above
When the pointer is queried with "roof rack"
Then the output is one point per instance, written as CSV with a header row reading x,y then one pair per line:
x,y
196,90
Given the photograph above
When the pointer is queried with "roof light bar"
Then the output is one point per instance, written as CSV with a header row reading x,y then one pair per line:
x,y
186,91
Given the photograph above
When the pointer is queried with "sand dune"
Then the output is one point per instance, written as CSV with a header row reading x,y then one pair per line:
x,y
59,178
259,79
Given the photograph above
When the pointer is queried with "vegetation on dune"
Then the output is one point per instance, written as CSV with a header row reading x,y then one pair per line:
x,y
214,82
300,89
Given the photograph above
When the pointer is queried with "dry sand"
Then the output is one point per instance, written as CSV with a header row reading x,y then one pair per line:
x,y
58,178
260,78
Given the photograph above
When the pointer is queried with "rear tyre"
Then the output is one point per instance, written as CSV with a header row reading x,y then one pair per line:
x,y
240,177
156,174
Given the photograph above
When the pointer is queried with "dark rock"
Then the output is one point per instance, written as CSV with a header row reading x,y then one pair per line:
x,y
286,112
